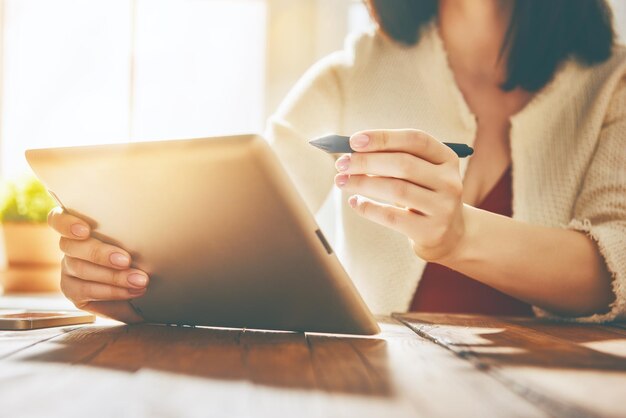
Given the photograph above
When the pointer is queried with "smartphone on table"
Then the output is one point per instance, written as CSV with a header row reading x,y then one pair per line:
x,y
21,319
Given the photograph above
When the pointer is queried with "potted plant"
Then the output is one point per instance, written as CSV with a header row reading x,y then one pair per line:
x,y
31,250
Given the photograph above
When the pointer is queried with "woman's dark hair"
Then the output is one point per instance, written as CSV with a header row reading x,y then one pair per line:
x,y
542,34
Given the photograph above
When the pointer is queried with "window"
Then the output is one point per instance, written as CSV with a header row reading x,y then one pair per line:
x,y
199,68
65,75
103,71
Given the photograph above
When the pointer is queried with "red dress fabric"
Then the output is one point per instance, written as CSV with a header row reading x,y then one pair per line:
x,y
444,290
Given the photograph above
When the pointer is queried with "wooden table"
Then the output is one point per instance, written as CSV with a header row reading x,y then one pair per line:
x,y
420,365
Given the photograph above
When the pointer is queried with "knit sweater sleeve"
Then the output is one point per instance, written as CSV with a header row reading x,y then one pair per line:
x,y
312,108
600,209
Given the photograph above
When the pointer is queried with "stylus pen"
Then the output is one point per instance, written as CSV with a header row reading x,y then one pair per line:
x,y
337,144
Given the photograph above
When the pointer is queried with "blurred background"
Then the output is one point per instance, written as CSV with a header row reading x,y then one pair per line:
x,y
80,72
101,71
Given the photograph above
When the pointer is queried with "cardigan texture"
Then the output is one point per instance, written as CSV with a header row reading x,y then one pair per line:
x,y
568,152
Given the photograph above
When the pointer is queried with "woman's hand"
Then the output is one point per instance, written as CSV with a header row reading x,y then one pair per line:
x,y
95,276
417,177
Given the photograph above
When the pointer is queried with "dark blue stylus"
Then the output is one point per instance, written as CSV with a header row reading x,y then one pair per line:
x,y
338,144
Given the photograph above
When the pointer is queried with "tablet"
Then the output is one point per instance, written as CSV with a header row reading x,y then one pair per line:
x,y
218,226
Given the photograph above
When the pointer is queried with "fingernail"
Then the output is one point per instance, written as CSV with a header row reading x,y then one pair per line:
x,y
353,201
80,230
343,163
359,141
119,259
137,291
341,180
138,280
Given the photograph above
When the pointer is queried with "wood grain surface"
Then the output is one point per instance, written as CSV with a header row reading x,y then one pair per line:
x,y
421,365
566,369
113,370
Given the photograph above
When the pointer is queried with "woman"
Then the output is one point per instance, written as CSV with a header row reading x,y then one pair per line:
x,y
537,88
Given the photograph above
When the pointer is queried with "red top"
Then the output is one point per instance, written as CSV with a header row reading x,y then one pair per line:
x,y
444,290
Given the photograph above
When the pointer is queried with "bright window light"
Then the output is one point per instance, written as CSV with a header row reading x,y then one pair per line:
x,y
358,17
619,12
200,68
65,75
78,72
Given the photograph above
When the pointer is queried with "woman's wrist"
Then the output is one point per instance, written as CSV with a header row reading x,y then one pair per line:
x,y
467,247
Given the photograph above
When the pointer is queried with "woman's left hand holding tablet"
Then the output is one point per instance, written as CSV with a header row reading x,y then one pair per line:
x,y
418,179
95,276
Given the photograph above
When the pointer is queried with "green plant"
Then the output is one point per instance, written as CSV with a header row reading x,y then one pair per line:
x,y
25,200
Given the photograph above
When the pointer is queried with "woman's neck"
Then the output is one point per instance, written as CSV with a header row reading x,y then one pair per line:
x,y
473,32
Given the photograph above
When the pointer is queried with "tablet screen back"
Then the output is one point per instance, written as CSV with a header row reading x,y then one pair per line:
x,y
219,228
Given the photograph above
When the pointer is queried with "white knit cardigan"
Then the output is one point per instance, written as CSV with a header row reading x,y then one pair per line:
x,y
568,152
